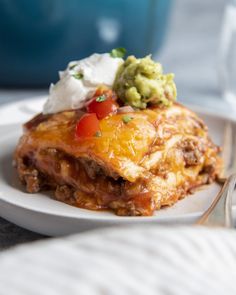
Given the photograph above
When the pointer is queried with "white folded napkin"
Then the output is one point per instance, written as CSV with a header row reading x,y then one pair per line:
x,y
125,260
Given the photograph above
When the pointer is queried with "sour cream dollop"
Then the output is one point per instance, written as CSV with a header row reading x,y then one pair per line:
x,y
79,82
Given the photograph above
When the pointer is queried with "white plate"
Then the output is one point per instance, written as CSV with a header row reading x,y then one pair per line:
x,y
20,111
40,213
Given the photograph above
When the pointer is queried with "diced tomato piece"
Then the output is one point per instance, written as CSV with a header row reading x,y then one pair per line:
x,y
103,108
87,126
103,103
105,90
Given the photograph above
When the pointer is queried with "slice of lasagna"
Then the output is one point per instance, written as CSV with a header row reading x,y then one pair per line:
x,y
133,167
126,146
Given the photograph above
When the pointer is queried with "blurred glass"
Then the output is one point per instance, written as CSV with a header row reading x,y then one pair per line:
x,y
39,37
228,54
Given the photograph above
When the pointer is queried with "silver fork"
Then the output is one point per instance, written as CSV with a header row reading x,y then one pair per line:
x,y
220,211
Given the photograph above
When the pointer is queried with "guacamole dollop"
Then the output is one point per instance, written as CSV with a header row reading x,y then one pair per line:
x,y
141,82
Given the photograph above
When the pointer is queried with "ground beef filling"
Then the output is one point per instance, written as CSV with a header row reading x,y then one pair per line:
x,y
81,182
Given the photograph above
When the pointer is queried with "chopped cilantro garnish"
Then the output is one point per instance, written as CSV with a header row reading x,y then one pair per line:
x,y
118,52
78,76
98,134
101,98
72,66
126,119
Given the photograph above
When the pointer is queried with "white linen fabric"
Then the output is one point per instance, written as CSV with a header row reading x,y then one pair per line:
x,y
132,260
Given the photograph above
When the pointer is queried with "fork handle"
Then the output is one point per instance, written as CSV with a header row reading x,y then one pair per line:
x,y
220,211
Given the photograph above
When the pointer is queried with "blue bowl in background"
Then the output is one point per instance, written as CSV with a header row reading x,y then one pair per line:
x,y
38,38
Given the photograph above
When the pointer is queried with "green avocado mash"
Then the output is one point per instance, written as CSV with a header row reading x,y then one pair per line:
x,y
140,82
